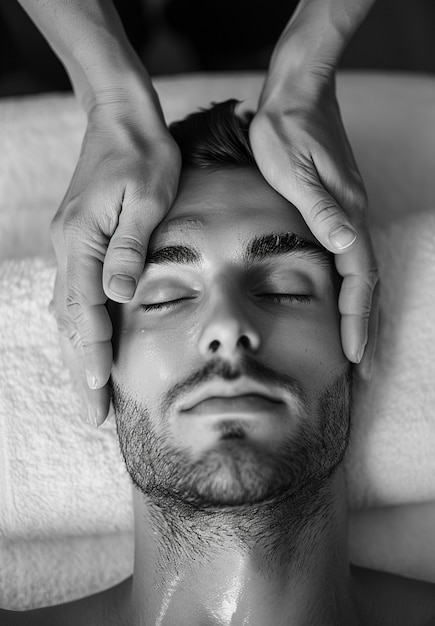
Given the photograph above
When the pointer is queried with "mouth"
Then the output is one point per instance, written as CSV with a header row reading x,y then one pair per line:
x,y
250,403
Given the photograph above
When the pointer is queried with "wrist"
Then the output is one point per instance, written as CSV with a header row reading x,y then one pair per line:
x,y
301,54
102,63
314,39
125,111
118,77
126,116
130,97
120,89
311,36
303,83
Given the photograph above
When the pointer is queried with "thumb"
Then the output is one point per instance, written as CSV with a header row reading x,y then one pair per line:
x,y
326,220
126,253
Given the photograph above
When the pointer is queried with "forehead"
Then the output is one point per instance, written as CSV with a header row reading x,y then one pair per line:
x,y
230,205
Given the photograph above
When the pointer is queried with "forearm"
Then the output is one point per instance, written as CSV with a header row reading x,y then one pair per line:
x,y
89,39
316,36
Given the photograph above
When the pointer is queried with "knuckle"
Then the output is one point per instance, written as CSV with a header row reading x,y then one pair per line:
x,y
65,215
358,306
58,314
68,235
81,324
73,225
74,307
149,194
357,293
360,198
77,327
127,248
372,278
357,199
323,211
68,330
74,338
62,322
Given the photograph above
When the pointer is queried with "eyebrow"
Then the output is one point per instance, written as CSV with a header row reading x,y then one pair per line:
x,y
260,248
277,244
174,254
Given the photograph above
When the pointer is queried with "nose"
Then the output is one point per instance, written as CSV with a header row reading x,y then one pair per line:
x,y
227,331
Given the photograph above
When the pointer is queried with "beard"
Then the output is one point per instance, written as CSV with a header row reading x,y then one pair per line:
x,y
237,472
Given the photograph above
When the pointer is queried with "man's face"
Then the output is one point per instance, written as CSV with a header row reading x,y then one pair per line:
x,y
230,384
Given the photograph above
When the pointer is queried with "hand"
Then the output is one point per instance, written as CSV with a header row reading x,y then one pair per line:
x,y
302,150
125,182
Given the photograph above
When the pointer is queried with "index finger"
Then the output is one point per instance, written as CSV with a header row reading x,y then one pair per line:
x,y
360,275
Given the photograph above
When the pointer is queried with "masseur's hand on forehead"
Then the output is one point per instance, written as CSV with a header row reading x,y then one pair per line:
x,y
301,148
124,184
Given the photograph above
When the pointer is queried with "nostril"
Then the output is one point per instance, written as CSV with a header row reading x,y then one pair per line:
x,y
214,345
244,342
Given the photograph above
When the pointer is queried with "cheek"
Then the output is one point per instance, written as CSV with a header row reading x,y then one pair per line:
x,y
307,347
150,362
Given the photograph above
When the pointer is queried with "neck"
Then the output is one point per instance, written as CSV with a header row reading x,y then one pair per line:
x,y
279,563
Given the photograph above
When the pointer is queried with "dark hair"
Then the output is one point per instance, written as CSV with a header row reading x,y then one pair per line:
x,y
214,137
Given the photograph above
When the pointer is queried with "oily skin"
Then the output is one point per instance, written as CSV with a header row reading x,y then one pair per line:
x,y
220,301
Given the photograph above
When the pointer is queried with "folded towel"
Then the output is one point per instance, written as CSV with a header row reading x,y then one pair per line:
x,y
57,475
44,572
391,459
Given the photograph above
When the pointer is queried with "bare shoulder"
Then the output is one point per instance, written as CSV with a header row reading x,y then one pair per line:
x,y
101,609
396,600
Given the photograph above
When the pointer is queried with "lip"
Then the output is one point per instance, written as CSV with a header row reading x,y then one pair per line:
x,y
243,394
249,404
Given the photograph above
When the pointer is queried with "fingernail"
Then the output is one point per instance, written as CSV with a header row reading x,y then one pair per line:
x,y
342,237
122,286
360,354
92,381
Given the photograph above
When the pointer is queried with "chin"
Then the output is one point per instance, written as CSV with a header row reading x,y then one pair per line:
x,y
236,473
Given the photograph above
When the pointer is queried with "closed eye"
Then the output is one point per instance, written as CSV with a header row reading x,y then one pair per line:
x,y
163,306
286,297
277,298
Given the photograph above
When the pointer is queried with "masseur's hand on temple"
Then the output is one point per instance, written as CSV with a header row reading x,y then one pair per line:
x,y
301,148
125,182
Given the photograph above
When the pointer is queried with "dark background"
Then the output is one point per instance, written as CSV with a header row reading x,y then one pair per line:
x,y
173,36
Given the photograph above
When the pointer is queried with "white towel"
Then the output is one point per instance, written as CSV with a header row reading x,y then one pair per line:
x,y
58,476
65,498
391,459
44,572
